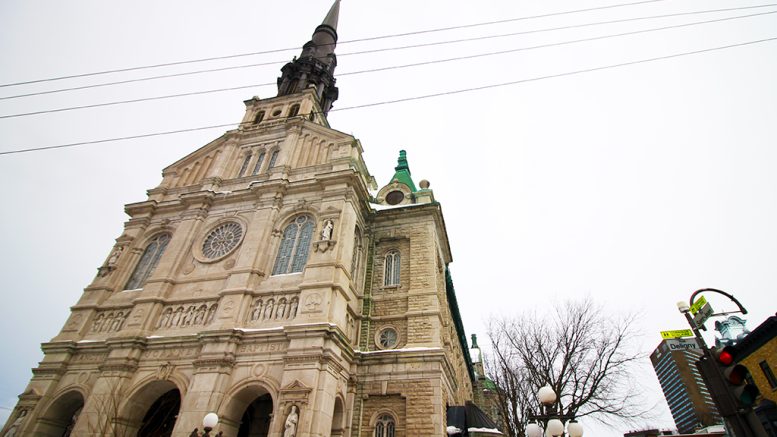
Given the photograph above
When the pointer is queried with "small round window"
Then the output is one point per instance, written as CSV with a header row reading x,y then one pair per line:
x,y
222,240
394,197
387,338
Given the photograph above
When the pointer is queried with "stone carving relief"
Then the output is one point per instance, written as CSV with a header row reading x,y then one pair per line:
x,y
182,316
165,370
277,308
109,321
313,303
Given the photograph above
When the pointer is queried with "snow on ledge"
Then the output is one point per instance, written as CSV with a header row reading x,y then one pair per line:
x,y
407,349
451,430
485,430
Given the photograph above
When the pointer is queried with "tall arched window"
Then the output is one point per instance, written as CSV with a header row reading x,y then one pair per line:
x,y
148,261
385,425
258,165
295,246
357,254
259,117
391,270
244,167
294,110
273,158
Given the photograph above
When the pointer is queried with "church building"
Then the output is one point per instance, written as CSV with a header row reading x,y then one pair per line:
x,y
270,280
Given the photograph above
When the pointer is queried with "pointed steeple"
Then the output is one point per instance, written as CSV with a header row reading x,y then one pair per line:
x,y
316,65
402,171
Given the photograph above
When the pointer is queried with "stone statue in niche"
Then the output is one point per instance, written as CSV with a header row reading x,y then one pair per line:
x,y
110,264
211,313
326,230
268,309
293,307
199,318
97,324
16,425
290,427
256,313
164,321
279,312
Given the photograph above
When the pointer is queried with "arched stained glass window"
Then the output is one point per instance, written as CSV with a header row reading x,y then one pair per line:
x,y
295,246
273,158
385,426
391,270
244,167
258,165
148,261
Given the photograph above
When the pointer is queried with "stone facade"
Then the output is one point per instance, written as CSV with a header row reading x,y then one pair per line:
x,y
253,283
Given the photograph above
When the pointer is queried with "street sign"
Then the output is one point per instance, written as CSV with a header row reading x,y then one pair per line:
x,y
700,302
704,313
678,344
678,333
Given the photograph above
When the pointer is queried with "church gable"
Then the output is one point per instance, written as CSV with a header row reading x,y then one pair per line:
x,y
194,167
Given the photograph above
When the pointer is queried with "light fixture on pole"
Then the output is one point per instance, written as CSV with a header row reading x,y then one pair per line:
x,y
552,421
208,423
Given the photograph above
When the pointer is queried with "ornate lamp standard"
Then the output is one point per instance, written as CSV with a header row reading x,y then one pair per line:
x,y
552,421
208,423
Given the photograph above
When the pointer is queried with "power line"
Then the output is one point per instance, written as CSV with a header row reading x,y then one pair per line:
x,y
436,43
408,99
373,38
392,67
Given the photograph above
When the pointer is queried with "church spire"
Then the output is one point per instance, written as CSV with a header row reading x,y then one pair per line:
x,y
316,65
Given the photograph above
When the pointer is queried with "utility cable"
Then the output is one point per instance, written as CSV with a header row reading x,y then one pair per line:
x,y
393,67
412,46
373,38
407,99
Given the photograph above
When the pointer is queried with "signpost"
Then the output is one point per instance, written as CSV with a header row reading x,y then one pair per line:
x,y
678,344
698,305
702,314
678,333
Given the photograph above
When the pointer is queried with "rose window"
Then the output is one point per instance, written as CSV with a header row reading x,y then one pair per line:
x,y
222,240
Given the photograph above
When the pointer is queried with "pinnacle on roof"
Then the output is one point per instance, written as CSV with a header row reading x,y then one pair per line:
x,y
402,171
332,16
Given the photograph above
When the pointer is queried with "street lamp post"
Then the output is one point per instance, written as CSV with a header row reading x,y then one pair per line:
x,y
208,423
553,421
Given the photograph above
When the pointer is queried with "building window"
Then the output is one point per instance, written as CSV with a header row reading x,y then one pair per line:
x,y
295,246
222,240
244,167
385,426
273,158
148,261
294,110
259,161
387,338
259,117
768,373
391,271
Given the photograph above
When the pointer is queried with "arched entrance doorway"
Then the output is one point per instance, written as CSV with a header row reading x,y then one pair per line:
x,y
338,420
61,416
248,412
256,418
159,420
152,410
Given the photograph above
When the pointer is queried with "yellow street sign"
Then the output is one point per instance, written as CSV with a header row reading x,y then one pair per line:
x,y
678,333
698,304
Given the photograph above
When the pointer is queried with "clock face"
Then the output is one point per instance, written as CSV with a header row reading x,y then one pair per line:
x,y
222,240
394,197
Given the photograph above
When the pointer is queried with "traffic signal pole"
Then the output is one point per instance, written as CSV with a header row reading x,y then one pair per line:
x,y
739,423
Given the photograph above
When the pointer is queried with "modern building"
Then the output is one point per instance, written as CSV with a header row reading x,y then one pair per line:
x,y
689,401
266,279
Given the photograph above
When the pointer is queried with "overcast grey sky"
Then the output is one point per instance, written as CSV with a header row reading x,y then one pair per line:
x,y
635,185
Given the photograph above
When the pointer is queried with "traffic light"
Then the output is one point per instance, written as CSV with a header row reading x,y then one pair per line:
x,y
736,377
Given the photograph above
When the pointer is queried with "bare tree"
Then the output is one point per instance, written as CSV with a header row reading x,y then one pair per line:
x,y
104,420
580,351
